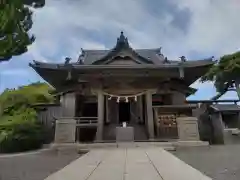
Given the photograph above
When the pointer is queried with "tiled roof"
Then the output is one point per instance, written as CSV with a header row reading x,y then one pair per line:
x,y
90,56
225,107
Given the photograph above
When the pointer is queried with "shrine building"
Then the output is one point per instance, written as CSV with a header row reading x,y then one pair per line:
x,y
105,89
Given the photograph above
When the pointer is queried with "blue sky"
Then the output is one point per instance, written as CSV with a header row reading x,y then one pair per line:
x,y
196,29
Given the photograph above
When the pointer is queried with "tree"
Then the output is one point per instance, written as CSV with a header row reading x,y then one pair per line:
x,y
19,128
225,74
34,3
16,21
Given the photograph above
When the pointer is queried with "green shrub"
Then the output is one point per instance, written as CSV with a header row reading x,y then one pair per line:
x,y
19,129
19,137
21,132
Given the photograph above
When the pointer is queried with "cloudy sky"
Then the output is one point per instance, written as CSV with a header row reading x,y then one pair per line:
x,y
194,28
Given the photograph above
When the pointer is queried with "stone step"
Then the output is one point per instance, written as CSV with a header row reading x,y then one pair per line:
x,y
170,146
166,146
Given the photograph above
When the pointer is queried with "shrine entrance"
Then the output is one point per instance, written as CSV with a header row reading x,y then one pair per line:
x,y
124,112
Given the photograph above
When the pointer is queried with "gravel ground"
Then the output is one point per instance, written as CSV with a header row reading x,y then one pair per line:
x,y
218,162
34,166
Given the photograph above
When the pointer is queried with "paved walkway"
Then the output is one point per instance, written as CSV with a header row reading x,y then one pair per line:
x,y
128,164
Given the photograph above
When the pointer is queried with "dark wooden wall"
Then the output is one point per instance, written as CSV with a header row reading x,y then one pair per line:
x,y
47,116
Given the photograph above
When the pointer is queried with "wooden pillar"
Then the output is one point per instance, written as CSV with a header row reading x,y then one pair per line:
x,y
99,134
140,108
134,118
157,121
107,105
150,123
238,120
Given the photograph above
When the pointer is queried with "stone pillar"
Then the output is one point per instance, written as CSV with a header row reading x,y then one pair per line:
x,y
65,131
150,123
188,129
99,134
218,128
68,102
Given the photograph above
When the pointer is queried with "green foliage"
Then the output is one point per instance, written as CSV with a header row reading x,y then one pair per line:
x,y
21,135
12,100
225,72
16,21
19,128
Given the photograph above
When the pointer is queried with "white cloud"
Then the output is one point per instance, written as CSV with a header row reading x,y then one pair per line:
x,y
181,27
213,27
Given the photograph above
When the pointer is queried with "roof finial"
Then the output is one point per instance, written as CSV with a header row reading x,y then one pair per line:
x,y
122,40
81,57
82,52
166,60
160,51
122,37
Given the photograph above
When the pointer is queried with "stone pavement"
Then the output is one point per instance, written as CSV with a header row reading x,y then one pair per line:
x,y
128,164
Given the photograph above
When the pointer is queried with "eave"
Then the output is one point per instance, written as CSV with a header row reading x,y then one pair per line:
x,y
187,65
192,70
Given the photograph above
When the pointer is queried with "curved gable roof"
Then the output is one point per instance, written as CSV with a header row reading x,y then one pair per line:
x,y
122,49
91,56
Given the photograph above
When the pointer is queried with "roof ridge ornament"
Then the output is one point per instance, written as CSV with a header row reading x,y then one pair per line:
x,y
160,51
183,59
67,60
122,40
81,57
166,60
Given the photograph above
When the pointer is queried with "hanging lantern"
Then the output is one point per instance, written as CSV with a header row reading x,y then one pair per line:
x,y
126,99
110,98
118,99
